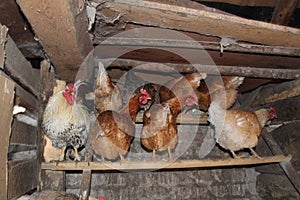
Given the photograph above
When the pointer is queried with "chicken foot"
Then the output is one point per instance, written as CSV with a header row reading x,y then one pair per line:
x,y
153,155
75,155
234,155
171,159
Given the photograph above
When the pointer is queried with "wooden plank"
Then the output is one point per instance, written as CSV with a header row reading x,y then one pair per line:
x,y
53,180
85,184
254,3
22,133
47,78
204,22
20,69
22,177
6,107
3,38
286,165
61,27
144,165
284,11
193,44
209,69
187,118
276,92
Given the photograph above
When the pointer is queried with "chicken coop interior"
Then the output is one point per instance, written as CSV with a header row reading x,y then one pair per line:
x,y
164,99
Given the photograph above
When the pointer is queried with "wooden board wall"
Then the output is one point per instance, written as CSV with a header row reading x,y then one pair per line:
x,y
6,107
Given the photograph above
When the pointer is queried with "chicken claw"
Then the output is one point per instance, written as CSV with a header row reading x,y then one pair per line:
x,y
62,154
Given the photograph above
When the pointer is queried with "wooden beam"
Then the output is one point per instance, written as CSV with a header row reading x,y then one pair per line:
x,y
192,44
20,69
146,165
3,38
209,69
204,22
284,11
6,107
277,92
47,78
286,165
254,3
61,27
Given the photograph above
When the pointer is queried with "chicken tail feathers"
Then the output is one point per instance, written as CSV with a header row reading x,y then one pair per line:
x,y
216,117
237,81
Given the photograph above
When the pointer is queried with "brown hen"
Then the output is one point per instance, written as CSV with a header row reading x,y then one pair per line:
x,y
113,131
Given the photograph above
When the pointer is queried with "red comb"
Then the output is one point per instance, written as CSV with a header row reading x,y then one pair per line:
x,y
143,91
273,109
101,198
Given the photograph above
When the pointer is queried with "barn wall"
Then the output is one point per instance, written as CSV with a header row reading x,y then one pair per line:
x,y
233,183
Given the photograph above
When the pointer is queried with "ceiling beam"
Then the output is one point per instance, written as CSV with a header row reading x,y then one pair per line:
x,y
284,11
266,3
204,22
61,28
209,69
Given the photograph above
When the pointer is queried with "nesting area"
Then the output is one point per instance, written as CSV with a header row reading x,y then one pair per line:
x,y
150,99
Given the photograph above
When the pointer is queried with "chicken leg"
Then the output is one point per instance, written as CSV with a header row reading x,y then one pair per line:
x,y
153,155
170,155
62,154
234,155
254,153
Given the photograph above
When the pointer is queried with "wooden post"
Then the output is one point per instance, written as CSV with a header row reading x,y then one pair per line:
x,y
283,11
6,107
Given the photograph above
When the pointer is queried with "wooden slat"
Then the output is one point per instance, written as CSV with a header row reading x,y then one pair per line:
x,y
199,21
286,165
47,78
22,133
254,3
22,177
6,107
3,38
158,165
20,69
193,44
61,27
209,69
283,11
187,118
277,92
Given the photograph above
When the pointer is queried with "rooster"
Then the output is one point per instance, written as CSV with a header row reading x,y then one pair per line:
x,y
107,94
113,131
238,129
66,121
159,132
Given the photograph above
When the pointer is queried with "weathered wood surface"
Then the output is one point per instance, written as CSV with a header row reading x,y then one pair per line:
x,y
193,44
199,21
20,69
23,133
47,78
6,107
286,165
284,11
53,180
22,177
187,118
61,27
3,38
209,69
267,3
277,92
131,165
